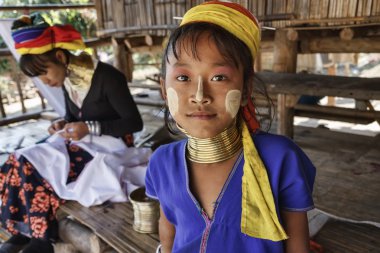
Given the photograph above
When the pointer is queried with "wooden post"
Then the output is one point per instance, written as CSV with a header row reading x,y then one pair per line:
x,y
285,60
123,58
20,92
2,110
258,62
43,105
331,71
285,107
285,53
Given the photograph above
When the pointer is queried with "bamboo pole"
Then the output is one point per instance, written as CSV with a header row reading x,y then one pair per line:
x,y
45,7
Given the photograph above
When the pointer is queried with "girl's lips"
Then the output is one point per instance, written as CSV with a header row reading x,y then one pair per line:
x,y
201,115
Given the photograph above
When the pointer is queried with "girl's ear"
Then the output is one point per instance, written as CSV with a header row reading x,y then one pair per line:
x,y
61,57
163,89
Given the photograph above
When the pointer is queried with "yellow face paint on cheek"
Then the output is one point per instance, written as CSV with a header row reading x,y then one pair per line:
x,y
232,102
172,98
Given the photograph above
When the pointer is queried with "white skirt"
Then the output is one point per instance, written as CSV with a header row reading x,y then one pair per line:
x,y
114,172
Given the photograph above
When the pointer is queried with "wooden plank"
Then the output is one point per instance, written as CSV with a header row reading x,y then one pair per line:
x,y
332,10
325,8
50,6
342,9
338,236
275,10
321,85
367,7
260,8
99,14
110,18
359,9
315,9
374,7
352,6
303,9
268,11
335,45
290,9
336,113
18,118
113,224
118,13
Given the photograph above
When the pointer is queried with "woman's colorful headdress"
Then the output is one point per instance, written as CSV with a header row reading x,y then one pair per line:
x,y
32,35
259,217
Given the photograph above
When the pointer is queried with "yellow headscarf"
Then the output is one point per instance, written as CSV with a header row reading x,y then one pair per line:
x,y
259,217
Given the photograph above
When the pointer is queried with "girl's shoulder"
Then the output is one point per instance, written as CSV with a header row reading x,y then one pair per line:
x,y
277,147
264,140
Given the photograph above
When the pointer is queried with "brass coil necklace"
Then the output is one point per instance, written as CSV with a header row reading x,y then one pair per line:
x,y
215,149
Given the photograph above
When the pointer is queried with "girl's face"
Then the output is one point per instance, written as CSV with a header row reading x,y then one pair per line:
x,y
203,95
55,72
55,75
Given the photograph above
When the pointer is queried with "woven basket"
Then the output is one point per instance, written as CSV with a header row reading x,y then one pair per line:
x,y
146,212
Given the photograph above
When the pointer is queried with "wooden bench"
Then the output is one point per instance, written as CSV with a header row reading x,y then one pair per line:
x,y
337,113
112,222
290,87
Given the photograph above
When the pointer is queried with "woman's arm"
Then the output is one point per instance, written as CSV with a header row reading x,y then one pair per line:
x,y
166,233
296,226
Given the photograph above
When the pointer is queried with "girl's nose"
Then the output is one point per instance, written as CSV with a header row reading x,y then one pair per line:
x,y
200,97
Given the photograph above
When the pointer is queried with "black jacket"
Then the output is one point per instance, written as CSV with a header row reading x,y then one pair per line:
x,y
108,101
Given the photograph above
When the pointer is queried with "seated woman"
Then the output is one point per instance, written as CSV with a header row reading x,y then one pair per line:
x,y
99,107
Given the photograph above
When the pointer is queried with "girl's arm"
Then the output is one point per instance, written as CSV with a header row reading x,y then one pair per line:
x,y
296,226
166,233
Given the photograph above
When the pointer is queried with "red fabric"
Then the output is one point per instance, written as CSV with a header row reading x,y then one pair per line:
x,y
249,116
52,34
315,247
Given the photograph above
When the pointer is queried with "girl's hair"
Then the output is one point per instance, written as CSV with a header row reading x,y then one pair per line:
x,y
36,64
233,50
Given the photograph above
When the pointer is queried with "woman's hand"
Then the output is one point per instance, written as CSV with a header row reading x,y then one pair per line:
x,y
75,131
56,126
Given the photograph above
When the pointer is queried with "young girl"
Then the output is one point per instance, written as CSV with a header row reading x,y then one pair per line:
x,y
228,187
84,158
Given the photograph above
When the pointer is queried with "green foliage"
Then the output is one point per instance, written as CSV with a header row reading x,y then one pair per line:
x,y
4,65
83,21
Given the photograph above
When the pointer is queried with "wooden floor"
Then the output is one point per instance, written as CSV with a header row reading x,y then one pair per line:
x,y
344,237
347,184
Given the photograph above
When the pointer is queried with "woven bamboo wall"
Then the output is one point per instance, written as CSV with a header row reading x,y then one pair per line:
x,y
273,13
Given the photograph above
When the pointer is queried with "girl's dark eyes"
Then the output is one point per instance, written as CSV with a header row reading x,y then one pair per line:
x,y
218,78
183,78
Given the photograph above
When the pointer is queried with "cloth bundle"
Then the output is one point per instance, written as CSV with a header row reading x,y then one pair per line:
x,y
32,35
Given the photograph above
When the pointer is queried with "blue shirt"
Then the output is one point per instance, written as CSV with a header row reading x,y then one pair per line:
x,y
291,175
